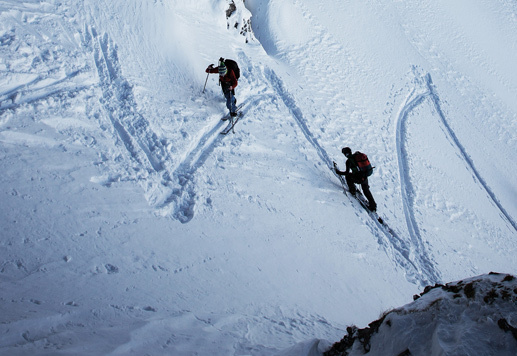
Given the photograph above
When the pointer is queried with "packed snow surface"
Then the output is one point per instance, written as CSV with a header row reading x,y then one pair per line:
x,y
130,225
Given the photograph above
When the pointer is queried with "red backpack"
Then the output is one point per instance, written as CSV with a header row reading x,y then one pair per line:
x,y
363,163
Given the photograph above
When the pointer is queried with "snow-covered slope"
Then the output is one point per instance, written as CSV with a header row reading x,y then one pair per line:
x,y
131,226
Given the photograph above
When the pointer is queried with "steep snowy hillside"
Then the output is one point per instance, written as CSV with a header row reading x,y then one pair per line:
x,y
130,225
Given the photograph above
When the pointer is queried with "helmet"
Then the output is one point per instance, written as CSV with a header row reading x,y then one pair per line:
x,y
346,151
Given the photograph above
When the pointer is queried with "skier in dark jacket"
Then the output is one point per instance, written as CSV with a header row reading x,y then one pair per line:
x,y
228,82
353,175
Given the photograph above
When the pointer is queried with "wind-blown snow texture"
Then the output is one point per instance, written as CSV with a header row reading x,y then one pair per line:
x,y
131,226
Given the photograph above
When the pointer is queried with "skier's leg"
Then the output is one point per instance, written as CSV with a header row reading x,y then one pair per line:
x,y
233,100
350,183
366,191
228,95
233,92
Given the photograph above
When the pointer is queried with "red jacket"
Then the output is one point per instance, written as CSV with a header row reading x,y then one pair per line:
x,y
229,79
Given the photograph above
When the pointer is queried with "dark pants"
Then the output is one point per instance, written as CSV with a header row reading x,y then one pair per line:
x,y
230,99
353,179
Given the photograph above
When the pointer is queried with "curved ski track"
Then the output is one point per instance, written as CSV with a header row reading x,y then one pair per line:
x,y
419,270
414,100
406,186
411,103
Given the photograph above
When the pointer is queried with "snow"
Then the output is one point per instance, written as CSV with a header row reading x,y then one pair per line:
x,y
131,226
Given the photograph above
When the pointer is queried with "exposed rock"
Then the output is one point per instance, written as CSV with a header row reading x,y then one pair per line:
x,y
452,318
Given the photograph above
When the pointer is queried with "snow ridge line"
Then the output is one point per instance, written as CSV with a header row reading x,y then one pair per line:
x,y
436,102
397,247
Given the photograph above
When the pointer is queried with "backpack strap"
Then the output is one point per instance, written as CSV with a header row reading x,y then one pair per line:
x,y
353,164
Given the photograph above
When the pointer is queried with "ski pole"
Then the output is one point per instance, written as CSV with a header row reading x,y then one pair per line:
x,y
233,125
205,82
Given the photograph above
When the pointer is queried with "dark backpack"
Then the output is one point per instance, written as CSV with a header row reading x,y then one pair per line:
x,y
363,163
231,64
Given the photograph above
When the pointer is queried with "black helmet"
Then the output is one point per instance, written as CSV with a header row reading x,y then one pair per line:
x,y
346,151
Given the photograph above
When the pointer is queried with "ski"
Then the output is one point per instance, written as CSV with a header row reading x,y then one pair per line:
x,y
227,116
373,214
231,125
361,199
364,203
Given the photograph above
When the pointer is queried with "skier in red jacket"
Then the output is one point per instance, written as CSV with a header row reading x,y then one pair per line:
x,y
228,82
354,175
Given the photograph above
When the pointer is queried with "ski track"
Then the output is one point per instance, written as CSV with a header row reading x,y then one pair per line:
x,y
147,150
290,103
41,88
413,101
153,166
393,244
407,189
119,102
436,102
184,197
420,271
170,190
